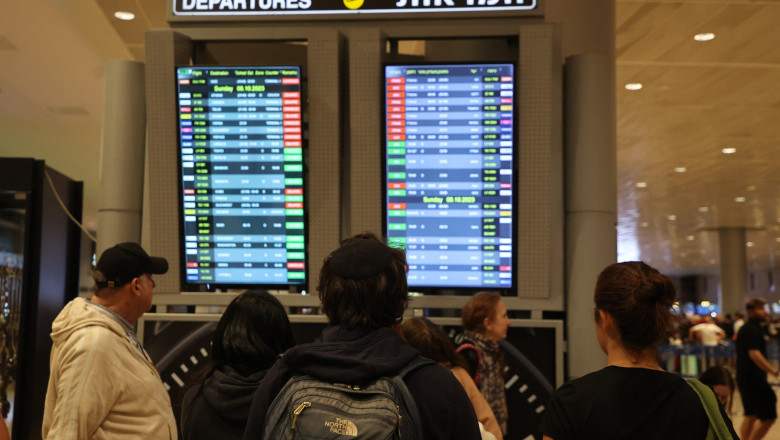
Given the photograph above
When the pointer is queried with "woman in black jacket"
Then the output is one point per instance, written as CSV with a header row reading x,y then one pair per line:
x,y
250,335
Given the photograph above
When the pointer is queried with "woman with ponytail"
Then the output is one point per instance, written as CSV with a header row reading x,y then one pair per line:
x,y
633,397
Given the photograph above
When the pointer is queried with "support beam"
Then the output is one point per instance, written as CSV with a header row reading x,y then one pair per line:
x,y
733,269
591,198
122,154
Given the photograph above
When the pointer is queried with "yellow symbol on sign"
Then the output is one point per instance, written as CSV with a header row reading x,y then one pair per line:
x,y
353,4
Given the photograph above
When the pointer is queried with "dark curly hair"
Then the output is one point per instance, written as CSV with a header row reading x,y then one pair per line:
x,y
372,301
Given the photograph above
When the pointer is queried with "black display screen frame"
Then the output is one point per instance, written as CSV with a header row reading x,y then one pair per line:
x,y
440,288
190,286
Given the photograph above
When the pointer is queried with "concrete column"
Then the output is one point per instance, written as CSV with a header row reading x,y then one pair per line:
x,y
590,169
733,269
122,155
588,26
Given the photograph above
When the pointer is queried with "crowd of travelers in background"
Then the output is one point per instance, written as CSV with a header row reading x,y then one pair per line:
x,y
701,341
731,352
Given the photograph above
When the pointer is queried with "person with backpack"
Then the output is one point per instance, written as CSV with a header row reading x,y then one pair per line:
x,y
485,322
361,378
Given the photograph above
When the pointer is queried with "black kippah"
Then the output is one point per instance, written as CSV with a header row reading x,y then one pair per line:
x,y
360,258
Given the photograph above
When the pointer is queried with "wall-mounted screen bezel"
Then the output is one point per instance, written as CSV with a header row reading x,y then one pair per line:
x,y
428,283
272,194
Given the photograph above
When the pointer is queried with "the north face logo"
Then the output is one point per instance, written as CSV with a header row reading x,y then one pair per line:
x,y
342,427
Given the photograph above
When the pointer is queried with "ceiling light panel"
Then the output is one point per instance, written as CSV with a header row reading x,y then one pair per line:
x,y
124,15
706,36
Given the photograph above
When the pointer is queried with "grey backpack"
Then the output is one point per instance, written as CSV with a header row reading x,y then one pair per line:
x,y
309,408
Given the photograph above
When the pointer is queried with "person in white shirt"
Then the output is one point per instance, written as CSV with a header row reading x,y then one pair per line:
x,y
710,335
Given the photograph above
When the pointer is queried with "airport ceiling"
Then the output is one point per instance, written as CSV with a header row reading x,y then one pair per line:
x,y
676,185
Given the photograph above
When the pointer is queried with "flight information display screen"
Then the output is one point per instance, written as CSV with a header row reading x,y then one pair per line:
x,y
242,188
449,161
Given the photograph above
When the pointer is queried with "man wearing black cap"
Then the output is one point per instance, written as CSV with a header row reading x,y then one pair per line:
x,y
364,293
102,384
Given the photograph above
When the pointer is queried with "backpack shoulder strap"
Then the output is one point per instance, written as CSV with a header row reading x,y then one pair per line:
x,y
408,400
473,357
710,404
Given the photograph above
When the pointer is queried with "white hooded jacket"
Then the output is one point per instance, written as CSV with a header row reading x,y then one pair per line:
x,y
101,386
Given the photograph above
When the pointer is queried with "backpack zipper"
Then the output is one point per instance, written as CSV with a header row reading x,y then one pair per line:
x,y
347,386
298,412
398,409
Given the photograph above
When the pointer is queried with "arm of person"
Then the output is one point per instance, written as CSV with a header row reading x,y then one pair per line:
x,y
481,407
83,388
547,437
762,362
471,355
721,334
446,414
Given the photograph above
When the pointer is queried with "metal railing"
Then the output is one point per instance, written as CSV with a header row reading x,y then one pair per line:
x,y
690,359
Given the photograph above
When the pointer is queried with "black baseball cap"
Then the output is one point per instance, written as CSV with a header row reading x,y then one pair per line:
x,y
120,264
